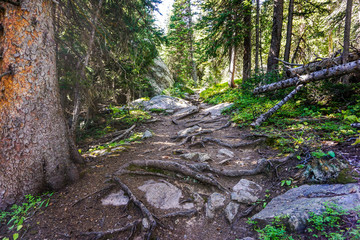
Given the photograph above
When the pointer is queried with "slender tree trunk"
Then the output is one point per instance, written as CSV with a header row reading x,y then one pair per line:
x,y
82,66
34,147
232,66
289,31
347,30
191,38
276,35
247,41
257,35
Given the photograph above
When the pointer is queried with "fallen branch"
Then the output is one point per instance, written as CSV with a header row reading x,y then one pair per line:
x,y
111,231
180,214
204,122
336,71
124,134
289,64
140,205
229,145
265,116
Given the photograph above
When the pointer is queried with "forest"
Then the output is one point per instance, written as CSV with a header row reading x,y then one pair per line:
x,y
180,119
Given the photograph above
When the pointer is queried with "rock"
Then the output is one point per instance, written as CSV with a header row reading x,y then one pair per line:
x,y
231,210
215,201
100,153
163,195
147,134
159,76
187,131
196,156
216,110
225,153
166,103
246,191
118,149
297,203
185,111
115,199
247,238
145,223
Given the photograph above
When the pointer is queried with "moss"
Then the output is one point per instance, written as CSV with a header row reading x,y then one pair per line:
x,y
346,176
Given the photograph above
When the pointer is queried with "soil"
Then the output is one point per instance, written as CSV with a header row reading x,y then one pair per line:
x,y
77,208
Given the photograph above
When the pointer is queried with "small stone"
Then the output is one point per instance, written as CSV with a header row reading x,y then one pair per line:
x,y
246,191
231,210
215,201
147,134
116,199
247,238
243,197
226,152
187,131
196,156
118,149
246,185
145,223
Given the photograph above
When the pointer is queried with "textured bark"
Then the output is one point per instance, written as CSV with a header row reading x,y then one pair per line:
x,y
289,31
265,116
232,66
317,66
192,50
276,35
247,43
34,148
315,76
347,30
257,41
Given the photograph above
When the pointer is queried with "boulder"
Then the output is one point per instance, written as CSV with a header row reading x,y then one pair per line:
x,y
115,199
246,191
166,103
163,195
196,156
159,76
147,134
297,203
231,210
215,201
216,110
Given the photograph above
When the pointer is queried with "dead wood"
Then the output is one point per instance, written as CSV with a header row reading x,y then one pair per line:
x,y
265,116
229,145
336,71
319,65
101,191
140,205
126,132
175,167
111,231
204,122
179,214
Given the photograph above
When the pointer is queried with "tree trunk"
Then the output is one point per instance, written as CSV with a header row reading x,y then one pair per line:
x,y
347,30
232,66
336,71
77,89
247,41
191,38
34,148
289,31
257,36
276,35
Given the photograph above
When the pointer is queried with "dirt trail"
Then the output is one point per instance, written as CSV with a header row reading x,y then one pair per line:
x,y
76,211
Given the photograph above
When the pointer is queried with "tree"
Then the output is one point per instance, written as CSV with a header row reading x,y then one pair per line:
x,y
257,40
347,30
276,35
247,40
33,137
289,31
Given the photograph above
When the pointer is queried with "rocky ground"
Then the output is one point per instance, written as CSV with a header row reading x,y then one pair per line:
x,y
194,175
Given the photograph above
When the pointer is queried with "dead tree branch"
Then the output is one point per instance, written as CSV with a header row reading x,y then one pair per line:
x,y
124,134
229,145
111,231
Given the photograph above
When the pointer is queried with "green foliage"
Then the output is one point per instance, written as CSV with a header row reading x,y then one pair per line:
x,y
17,214
178,90
274,231
133,138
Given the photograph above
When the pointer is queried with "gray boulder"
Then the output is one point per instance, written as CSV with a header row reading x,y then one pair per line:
x,y
297,203
159,76
166,103
231,210
163,195
246,191
216,110
115,199
215,201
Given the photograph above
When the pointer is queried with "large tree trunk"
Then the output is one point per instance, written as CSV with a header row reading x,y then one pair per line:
x,y
34,148
257,41
247,41
347,36
289,31
336,71
192,50
276,35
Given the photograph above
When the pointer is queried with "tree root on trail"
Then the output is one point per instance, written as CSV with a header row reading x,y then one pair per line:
x,y
229,145
179,214
143,173
186,170
126,132
192,112
198,143
204,122
189,137
102,191
112,231
143,208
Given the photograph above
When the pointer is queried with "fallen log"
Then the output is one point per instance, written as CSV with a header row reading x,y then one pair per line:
x,y
336,71
319,65
265,116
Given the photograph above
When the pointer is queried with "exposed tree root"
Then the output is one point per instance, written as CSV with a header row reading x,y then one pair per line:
x,y
143,173
179,214
126,132
101,191
198,143
229,145
99,235
140,205
243,214
204,122
192,112
187,170
189,137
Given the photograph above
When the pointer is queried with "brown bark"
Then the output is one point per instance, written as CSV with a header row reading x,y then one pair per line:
x,y
347,30
247,42
232,66
337,71
257,41
276,35
34,148
289,31
192,50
